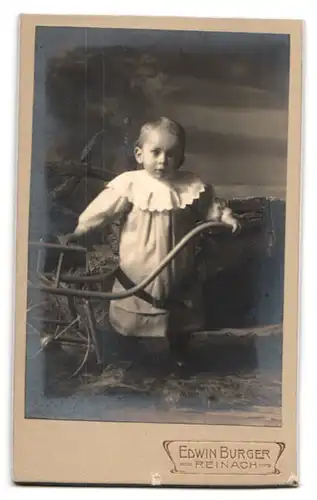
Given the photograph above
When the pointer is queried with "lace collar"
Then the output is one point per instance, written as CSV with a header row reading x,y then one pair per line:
x,y
157,195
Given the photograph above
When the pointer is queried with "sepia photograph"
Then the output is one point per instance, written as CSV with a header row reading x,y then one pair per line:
x,y
156,238
156,230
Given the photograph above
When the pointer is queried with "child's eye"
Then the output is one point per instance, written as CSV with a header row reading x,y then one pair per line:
x,y
156,152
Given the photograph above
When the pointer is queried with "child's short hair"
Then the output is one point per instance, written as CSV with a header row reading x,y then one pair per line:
x,y
172,126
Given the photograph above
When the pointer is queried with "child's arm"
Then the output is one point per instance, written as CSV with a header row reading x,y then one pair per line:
x,y
107,206
216,209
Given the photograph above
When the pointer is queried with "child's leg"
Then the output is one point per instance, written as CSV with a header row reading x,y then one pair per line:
x,y
117,347
179,346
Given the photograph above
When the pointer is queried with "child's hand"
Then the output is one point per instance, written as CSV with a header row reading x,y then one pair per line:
x,y
228,219
235,224
65,239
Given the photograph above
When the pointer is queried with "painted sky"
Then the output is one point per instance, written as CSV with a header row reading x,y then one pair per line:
x,y
229,90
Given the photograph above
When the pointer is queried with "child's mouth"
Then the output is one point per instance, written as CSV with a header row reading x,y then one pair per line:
x,y
159,173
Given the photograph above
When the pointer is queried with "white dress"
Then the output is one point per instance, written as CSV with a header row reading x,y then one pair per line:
x,y
155,214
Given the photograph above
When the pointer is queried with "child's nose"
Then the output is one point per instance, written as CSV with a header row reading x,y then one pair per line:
x,y
162,160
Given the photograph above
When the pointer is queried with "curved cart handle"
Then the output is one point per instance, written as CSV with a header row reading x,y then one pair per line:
x,y
85,294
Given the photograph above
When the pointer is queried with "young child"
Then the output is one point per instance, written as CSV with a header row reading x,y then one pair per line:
x,y
158,205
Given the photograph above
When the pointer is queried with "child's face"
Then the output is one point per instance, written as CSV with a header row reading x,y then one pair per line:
x,y
161,154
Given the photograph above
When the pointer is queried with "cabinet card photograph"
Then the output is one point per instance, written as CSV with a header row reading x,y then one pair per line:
x,y
157,251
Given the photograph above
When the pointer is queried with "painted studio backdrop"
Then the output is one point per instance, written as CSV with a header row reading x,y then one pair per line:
x,y
93,89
